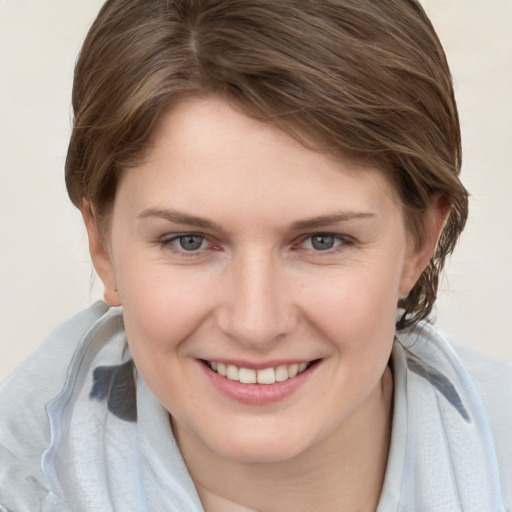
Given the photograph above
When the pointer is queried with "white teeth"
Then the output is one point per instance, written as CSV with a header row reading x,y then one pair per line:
x,y
266,376
247,376
232,372
282,373
293,370
263,376
221,369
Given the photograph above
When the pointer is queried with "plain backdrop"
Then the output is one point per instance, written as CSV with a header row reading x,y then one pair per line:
x,y
45,271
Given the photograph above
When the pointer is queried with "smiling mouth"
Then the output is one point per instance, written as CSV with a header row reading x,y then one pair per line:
x,y
267,376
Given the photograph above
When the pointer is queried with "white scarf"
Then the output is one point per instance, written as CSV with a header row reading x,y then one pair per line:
x,y
442,456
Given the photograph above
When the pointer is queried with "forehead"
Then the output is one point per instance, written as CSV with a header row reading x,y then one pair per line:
x,y
204,152
198,125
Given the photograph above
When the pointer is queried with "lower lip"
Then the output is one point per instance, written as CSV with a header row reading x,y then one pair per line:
x,y
257,394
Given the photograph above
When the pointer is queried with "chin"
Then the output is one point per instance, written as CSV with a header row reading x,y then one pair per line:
x,y
258,454
258,446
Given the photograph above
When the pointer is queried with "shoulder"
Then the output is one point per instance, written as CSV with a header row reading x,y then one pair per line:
x,y
24,425
489,373
492,376
493,380
468,378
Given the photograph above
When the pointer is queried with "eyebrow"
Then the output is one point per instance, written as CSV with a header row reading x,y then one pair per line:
x,y
325,220
179,217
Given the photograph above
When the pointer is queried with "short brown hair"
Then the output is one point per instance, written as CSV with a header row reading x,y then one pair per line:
x,y
365,78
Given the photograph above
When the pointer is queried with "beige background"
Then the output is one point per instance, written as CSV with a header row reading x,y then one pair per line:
x,y
45,273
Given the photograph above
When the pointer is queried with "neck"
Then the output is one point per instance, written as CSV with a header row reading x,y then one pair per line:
x,y
345,471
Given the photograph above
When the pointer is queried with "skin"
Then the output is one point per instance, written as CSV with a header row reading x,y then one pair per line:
x,y
258,290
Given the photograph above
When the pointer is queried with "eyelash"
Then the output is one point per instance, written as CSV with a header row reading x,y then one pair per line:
x,y
342,242
168,243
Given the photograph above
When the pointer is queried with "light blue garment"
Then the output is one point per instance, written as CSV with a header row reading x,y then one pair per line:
x,y
81,431
443,455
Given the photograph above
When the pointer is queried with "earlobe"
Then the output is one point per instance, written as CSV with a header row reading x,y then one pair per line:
x,y
100,255
421,251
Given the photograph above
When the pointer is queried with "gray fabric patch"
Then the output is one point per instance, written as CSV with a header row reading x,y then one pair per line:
x,y
441,383
116,385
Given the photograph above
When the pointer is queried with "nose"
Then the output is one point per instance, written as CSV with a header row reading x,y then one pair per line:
x,y
257,309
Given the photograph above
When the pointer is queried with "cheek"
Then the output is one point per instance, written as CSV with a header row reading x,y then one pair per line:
x,y
351,295
161,311
356,310
164,307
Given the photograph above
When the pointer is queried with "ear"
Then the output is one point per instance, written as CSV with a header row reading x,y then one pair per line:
x,y
420,251
100,256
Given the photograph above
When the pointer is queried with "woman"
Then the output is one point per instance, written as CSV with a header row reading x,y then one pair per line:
x,y
270,190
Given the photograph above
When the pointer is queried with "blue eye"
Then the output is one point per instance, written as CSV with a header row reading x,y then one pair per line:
x,y
323,242
327,243
188,245
189,242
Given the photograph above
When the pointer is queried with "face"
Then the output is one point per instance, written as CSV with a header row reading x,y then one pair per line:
x,y
235,250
